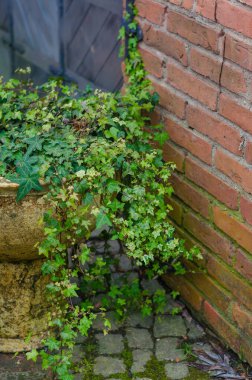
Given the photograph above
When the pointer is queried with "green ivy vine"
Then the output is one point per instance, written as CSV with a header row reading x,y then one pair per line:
x,y
99,161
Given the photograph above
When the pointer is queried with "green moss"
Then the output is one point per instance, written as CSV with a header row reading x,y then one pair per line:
x,y
124,376
195,374
155,370
87,371
127,357
128,361
87,363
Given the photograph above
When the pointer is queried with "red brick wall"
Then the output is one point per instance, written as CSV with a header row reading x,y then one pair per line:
x,y
199,56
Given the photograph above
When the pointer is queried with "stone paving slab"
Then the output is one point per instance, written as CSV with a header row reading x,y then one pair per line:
x,y
124,263
169,326
194,330
176,371
167,349
140,359
137,320
139,338
110,344
106,366
98,323
152,286
23,376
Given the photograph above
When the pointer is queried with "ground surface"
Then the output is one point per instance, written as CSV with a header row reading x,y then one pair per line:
x,y
152,348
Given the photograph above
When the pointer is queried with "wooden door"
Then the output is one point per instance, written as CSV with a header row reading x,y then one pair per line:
x,y
91,47
36,36
5,38
72,38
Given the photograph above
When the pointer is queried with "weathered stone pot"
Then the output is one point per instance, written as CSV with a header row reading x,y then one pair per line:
x,y
23,302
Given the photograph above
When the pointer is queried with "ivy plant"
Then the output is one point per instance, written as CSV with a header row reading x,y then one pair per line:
x,y
98,158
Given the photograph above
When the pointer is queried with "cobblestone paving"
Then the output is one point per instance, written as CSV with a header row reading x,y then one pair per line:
x,y
150,348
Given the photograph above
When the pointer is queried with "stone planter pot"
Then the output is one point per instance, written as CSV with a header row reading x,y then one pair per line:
x,y
23,304
23,300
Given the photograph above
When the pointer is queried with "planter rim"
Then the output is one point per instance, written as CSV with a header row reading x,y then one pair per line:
x,y
6,186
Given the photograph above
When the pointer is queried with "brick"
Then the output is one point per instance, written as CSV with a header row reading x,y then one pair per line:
x,y
233,111
243,264
197,264
190,242
209,237
246,209
233,79
177,213
234,16
187,4
237,230
192,85
230,280
214,185
205,64
173,154
222,326
206,8
170,100
248,152
212,291
189,293
152,62
238,51
194,31
243,318
234,169
151,11
166,43
190,196
188,140
211,126
155,117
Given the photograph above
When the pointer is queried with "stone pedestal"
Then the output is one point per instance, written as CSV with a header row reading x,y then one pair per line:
x,y
23,303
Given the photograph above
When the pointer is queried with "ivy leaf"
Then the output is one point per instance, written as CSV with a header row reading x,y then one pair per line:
x,y
35,143
84,326
84,255
71,291
53,344
161,137
33,355
102,220
113,186
155,98
88,200
112,132
115,205
28,179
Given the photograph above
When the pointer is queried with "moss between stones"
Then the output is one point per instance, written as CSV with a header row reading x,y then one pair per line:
x,y
87,364
155,369
127,357
195,374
